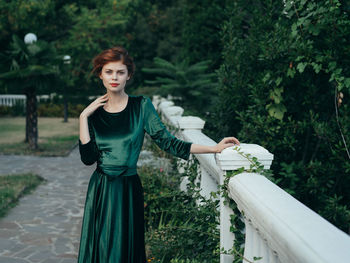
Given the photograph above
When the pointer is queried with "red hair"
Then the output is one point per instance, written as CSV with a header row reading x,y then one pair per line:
x,y
113,54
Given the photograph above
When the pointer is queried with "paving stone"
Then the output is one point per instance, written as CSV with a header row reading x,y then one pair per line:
x,y
41,256
45,226
12,260
8,233
28,250
69,260
6,244
13,250
8,225
52,260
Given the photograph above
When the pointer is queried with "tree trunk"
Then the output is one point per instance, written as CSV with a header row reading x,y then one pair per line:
x,y
65,105
27,121
32,120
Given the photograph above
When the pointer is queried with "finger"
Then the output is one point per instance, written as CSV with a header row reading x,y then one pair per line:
x,y
232,139
103,99
229,139
104,96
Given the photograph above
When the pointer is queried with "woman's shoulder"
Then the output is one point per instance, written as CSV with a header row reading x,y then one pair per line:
x,y
139,96
143,99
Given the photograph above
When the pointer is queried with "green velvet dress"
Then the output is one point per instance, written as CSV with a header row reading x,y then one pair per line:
x,y
113,222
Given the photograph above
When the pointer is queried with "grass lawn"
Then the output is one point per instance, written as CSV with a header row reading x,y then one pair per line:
x,y
12,187
56,138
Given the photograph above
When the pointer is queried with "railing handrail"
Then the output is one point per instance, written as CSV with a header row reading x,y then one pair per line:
x,y
290,228
279,228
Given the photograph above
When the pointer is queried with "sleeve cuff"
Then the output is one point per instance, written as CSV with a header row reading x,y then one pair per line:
x,y
85,149
187,150
85,145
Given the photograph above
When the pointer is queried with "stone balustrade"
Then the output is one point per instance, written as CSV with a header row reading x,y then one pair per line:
x,y
278,228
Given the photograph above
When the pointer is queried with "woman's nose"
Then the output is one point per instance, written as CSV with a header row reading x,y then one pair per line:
x,y
115,75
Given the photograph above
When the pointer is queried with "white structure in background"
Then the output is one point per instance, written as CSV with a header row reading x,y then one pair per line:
x,y
30,38
13,99
66,59
278,227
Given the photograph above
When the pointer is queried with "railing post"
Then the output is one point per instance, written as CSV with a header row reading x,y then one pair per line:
x,y
188,123
228,160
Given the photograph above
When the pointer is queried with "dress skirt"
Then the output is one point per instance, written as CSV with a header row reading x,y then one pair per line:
x,y
113,222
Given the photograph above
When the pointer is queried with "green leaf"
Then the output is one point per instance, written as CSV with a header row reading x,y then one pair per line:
x,y
276,110
317,67
301,67
291,72
347,82
266,77
294,30
278,81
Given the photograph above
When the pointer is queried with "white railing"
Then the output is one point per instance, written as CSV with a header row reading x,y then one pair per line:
x,y
12,99
278,227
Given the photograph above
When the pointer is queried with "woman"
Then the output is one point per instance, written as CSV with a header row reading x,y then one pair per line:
x,y
112,130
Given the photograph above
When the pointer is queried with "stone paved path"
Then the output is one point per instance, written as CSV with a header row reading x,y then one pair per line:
x,y
45,226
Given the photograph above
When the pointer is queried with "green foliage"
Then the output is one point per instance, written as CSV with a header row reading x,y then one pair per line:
x,y
175,30
191,82
56,110
202,21
92,30
18,109
183,226
284,84
31,66
49,109
177,228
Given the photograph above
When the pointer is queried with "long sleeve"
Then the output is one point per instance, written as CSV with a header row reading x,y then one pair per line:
x,y
159,133
88,151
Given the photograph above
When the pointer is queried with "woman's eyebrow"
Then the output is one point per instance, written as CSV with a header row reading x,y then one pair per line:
x,y
117,70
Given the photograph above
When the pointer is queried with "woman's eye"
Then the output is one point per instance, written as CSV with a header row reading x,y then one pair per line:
x,y
121,72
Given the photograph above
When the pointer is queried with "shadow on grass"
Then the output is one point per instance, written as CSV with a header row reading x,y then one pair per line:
x,y
13,187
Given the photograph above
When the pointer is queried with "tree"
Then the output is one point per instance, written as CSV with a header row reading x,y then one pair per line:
x,y
190,82
30,69
284,84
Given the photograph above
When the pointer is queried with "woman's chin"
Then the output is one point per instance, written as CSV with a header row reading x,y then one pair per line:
x,y
115,89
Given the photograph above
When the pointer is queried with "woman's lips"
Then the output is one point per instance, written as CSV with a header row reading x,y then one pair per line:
x,y
114,84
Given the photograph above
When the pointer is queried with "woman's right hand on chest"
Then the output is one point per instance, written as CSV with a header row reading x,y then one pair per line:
x,y
100,101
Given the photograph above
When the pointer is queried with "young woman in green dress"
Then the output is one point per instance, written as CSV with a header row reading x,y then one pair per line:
x,y
112,130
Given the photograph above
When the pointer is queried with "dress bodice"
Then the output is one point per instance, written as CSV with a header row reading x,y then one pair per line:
x,y
117,138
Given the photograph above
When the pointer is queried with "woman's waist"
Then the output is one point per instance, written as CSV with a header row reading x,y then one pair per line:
x,y
116,170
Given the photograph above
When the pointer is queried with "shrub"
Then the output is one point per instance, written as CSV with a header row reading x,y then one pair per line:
x,y
176,227
284,84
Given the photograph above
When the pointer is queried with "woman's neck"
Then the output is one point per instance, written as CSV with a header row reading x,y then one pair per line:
x,y
116,101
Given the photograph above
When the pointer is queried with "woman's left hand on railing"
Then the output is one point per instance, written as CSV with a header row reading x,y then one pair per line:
x,y
224,143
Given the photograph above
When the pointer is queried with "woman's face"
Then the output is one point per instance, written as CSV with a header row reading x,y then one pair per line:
x,y
114,76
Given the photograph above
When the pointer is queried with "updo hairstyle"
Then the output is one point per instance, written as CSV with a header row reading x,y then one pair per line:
x,y
113,54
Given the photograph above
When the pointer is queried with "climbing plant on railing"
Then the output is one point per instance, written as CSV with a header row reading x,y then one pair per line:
x,y
193,174
237,223
177,228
